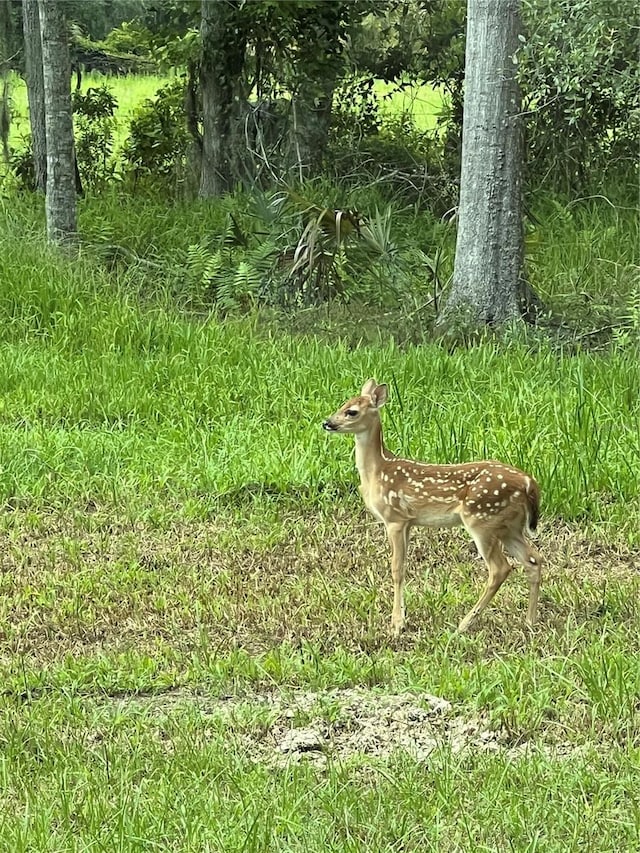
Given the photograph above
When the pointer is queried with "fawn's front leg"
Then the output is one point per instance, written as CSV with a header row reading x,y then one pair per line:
x,y
398,533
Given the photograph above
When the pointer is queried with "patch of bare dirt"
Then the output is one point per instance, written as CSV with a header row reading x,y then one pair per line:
x,y
341,724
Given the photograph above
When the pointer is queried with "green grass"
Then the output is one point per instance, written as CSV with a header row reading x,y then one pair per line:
x,y
187,572
143,408
181,780
129,92
423,103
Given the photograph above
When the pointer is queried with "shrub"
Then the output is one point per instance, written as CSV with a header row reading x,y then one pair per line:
x,y
94,131
158,142
579,69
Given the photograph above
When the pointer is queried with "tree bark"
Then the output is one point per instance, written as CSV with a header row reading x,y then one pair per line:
x,y
488,282
311,118
222,63
61,180
35,90
5,48
319,63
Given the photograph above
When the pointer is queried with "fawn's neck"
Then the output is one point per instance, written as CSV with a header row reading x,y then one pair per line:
x,y
370,451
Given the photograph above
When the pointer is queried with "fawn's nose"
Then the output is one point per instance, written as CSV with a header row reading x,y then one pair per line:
x,y
329,425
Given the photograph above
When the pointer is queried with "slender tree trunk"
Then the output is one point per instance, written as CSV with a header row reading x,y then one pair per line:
x,y
61,179
5,47
221,67
488,279
35,90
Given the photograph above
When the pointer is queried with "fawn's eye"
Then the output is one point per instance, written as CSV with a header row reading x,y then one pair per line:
x,y
351,413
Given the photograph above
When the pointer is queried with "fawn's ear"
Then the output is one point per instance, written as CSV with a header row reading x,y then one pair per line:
x,y
379,395
369,387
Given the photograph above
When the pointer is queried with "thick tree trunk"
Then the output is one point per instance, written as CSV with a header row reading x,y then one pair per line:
x,y
61,179
488,277
319,62
311,119
35,90
221,67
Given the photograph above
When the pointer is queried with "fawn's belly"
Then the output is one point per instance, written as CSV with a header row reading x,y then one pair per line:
x,y
393,507
439,517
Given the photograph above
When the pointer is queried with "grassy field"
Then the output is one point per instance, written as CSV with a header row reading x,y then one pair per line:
x,y
423,103
194,649
194,646
129,93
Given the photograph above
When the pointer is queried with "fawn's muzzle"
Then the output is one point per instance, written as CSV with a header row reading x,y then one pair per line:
x,y
329,426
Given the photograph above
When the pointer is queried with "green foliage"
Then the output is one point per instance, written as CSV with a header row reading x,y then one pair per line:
x,y
406,162
294,252
414,42
96,103
356,111
22,167
157,147
229,280
579,70
94,127
280,250
99,17
131,37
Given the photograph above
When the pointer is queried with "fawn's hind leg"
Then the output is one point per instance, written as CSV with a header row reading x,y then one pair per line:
x,y
525,553
490,550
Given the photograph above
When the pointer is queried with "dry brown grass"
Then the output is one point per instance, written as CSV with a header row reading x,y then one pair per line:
x,y
73,585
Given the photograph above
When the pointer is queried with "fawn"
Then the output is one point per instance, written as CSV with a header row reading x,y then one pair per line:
x,y
497,504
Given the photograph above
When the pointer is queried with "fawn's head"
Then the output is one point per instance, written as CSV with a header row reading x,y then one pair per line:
x,y
356,414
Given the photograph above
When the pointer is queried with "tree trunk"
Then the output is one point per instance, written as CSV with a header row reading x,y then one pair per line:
x,y
488,282
311,119
35,90
61,180
5,48
222,63
319,63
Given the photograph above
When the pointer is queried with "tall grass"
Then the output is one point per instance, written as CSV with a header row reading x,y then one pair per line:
x,y
135,405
